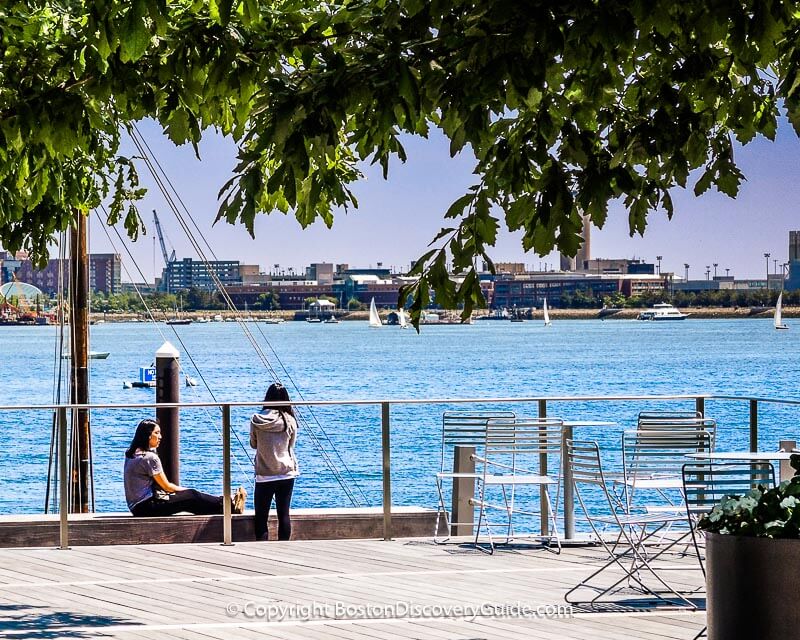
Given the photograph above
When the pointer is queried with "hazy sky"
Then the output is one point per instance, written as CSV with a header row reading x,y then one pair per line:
x,y
397,218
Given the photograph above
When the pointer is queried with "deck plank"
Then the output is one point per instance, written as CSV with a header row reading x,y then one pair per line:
x,y
119,592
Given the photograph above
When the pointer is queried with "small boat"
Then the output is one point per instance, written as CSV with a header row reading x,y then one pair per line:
x,y
217,318
179,321
546,313
202,320
273,320
401,319
191,382
332,320
314,320
374,318
147,379
662,311
93,355
778,320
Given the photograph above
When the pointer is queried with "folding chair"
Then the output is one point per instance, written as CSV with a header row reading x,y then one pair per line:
x,y
466,428
515,455
705,484
634,530
652,461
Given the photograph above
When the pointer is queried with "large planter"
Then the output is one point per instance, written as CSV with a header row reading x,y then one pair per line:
x,y
752,588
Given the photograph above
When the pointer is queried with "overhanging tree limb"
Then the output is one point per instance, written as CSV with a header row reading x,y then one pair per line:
x,y
565,106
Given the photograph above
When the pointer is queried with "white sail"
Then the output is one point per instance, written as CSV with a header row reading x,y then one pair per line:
x,y
401,319
778,313
374,318
547,321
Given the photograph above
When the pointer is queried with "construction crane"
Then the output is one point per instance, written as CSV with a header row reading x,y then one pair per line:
x,y
167,257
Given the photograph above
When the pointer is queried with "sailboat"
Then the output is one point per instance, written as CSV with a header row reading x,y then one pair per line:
x,y
374,318
778,313
547,321
401,319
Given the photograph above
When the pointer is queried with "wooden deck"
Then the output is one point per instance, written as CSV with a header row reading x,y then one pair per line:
x,y
202,591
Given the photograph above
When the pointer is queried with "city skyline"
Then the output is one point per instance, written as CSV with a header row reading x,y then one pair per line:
x,y
397,218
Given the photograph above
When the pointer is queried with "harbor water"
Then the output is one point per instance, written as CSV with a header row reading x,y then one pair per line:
x,y
350,361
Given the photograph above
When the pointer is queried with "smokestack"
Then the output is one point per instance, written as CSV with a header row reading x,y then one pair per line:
x,y
567,262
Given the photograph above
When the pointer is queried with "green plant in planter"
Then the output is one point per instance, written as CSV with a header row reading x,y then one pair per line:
x,y
761,513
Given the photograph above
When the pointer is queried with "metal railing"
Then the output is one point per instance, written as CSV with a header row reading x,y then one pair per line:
x,y
541,403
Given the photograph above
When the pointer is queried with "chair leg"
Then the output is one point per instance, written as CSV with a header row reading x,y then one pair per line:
x,y
481,516
553,520
441,511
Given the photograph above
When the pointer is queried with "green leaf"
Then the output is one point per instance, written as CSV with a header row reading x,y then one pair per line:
x,y
457,208
135,35
704,182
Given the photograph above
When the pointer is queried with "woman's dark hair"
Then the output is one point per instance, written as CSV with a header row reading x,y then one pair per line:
x,y
141,439
276,393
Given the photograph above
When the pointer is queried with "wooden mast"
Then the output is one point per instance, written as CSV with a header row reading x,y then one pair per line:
x,y
79,372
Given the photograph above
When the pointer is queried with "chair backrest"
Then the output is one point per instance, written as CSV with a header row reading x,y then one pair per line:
x,y
583,458
584,462
705,483
675,422
650,452
650,416
467,428
515,444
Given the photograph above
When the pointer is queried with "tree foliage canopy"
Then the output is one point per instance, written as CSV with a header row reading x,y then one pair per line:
x,y
566,106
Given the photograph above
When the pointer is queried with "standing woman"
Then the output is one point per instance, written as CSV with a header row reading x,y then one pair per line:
x,y
149,492
273,432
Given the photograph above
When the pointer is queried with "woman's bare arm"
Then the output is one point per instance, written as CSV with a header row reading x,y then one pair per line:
x,y
166,485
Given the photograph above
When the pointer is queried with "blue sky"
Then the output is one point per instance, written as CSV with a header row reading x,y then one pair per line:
x,y
397,218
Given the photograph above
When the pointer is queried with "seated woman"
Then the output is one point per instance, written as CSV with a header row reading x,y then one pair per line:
x,y
149,492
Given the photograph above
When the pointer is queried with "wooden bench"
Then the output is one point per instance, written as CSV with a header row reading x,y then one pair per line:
x,y
122,528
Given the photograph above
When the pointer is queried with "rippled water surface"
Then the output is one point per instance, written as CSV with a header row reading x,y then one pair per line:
x,y
351,361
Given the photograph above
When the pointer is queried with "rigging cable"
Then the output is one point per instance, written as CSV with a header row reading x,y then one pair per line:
x,y
163,337
143,148
58,366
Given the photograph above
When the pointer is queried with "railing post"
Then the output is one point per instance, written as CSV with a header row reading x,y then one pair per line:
x,y
63,485
700,406
227,524
753,425
387,471
543,507
569,498
463,492
785,471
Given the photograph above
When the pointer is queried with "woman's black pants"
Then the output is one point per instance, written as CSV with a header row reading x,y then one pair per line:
x,y
190,500
281,490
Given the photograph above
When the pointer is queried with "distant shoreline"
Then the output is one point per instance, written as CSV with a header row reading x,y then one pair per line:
x,y
703,313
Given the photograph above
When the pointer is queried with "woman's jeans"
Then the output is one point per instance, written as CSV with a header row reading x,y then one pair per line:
x,y
191,500
281,490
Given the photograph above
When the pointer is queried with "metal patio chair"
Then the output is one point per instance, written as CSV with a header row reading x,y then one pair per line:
x,y
631,533
653,458
706,483
515,455
466,428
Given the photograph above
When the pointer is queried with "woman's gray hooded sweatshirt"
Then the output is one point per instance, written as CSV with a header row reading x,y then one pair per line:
x,y
272,435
